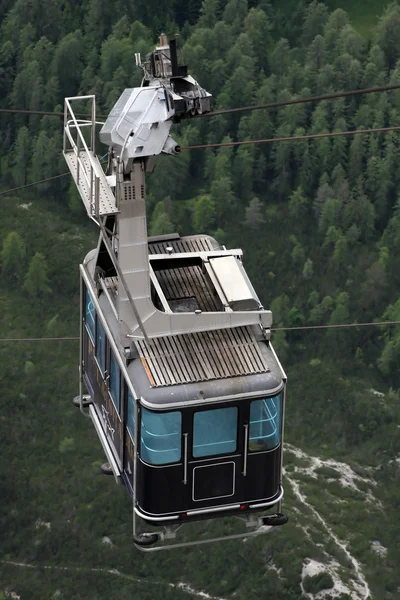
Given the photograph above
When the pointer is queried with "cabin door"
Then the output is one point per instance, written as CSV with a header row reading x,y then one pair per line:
x,y
213,457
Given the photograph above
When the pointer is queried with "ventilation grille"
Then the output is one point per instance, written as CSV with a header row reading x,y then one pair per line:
x,y
129,192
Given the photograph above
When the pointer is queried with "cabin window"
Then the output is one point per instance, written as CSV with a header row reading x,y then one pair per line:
x,y
130,421
160,438
90,314
215,431
100,345
115,381
265,423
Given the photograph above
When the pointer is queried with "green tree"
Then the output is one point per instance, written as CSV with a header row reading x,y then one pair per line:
x,y
67,64
243,166
356,158
208,13
254,214
22,154
298,254
42,160
280,308
235,13
388,34
204,214
315,20
160,223
324,193
330,216
361,212
308,269
337,20
258,28
36,281
99,18
13,255
223,198
298,205
116,53
340,257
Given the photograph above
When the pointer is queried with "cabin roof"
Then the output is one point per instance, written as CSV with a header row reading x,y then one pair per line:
x,y
218,363
201,356
198,356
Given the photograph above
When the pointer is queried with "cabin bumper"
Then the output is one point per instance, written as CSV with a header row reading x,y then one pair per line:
x,y
228,510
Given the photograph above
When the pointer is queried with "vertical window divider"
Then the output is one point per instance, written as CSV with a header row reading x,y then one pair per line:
x,y
185,458
246,440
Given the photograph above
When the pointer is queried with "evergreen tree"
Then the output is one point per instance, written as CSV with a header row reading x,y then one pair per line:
x,y
298,204
388,34
360,212
254,214
67,64
13,255
315,19
22,155
160,222
203,214
36,281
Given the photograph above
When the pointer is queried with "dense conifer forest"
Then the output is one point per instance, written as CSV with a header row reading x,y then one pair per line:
x,y
319,223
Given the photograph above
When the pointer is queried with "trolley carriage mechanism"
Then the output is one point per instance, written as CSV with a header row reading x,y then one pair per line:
x,y
182,383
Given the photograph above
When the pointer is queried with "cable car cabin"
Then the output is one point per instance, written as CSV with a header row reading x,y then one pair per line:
x,y
191,424
185,390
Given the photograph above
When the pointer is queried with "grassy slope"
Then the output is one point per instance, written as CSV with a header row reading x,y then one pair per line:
x,y
363,14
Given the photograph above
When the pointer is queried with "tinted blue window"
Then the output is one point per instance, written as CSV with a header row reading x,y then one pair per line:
x,y
265,423
115,381
90,314
130,422
161,435
215,431
100,345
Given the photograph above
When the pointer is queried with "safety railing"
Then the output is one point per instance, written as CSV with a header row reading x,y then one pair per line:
x,y
85,169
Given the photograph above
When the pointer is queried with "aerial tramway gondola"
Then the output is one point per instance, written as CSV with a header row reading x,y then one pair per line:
x,y
183,385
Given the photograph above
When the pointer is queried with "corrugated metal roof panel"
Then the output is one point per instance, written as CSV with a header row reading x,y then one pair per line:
x,y
201,356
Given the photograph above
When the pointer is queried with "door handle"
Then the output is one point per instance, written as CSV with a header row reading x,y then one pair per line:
x,y
246,440
185,458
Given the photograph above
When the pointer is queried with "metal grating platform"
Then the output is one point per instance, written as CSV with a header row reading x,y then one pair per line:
x,y
188,282
185,244
107,204
201,356
185,283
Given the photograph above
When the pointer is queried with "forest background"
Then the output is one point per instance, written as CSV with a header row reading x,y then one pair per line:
x,y
319,223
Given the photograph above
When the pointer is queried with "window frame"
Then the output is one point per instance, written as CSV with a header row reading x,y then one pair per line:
x,y
236,438
279,423
101,360
116,401
91,330
179,434
129,396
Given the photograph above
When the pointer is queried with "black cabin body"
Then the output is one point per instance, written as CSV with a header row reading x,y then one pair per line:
x,y
191,424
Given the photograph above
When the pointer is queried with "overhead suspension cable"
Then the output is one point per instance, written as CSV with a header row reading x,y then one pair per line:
x,y
295,138
338,326
39,339
273,329
21,187
280,103
277,104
